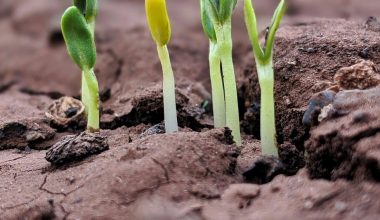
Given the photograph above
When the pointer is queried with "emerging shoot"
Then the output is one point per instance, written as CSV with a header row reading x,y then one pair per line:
x,y
264,66
78,24
218,101
159,25
216,20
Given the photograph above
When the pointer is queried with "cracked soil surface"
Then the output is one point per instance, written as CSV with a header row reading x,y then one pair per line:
x,y
197,173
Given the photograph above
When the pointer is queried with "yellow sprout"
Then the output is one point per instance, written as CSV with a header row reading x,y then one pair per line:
x,y
158,21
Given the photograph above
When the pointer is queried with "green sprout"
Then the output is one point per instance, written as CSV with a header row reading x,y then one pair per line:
x,y
159,25
264,66
78,27
216,21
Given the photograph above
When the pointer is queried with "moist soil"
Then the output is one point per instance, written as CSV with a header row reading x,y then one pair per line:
x,y
327,109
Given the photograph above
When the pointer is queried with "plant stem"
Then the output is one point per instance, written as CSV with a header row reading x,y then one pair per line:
x,y
85,92
219,105
92,100
223,34
267,111
170,111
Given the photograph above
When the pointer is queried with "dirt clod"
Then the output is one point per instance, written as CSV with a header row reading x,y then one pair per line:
x,y
359,76
264,169
373,24
347,145
76,147
316,104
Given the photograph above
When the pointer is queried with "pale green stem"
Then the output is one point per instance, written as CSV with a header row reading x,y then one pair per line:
x,y
170,110
85,92
92,100
224,37
267,111
218,102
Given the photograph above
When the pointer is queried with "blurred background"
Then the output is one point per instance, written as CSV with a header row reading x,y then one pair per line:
x,y
33,55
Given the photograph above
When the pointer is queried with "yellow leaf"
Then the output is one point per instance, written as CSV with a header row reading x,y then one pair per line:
x,y
158,21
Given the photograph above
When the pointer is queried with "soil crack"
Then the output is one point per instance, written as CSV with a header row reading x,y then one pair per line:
x,y
166,173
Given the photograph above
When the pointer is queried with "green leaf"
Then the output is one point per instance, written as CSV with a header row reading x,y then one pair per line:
x,y
276,20
89,8
81,5
158,21
207,24
78,37
226,8
251,23
221,10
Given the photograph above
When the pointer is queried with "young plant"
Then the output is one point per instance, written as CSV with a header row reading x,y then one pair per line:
x,y
218,101
159,25
78,24
216,20
264,66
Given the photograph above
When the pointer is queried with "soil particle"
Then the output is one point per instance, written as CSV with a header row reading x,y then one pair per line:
x,y
359,76
38,212
241,195
156,129
316,104
76,147
264,169
346,145
372,24
65,113
291,158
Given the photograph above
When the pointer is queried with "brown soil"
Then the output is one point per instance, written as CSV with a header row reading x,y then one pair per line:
x,y
197,173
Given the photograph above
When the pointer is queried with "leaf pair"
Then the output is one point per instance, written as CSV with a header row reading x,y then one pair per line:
x,y
215,12
77,33
263,55
158,21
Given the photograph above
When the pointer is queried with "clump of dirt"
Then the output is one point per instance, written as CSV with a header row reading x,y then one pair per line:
x,y
28,127
74,148
311,199
363,75
146,106
338,147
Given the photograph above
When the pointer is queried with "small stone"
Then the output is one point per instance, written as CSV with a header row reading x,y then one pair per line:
x,y
340,206
365,53
311,50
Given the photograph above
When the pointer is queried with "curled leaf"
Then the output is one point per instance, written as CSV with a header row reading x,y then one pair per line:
x,y
221,10
78,37
207,24
158,21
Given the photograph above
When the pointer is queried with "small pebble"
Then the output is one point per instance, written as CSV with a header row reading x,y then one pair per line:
x,y
340,206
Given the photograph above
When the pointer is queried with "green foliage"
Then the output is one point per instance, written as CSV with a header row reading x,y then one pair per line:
x,y
89,8
78,37
264,56
207,24
220,10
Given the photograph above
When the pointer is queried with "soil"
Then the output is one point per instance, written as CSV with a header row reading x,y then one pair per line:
x,y
327,108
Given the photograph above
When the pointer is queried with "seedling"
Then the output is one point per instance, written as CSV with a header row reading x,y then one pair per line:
x,y
264,66
78,24
159,25
216,20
